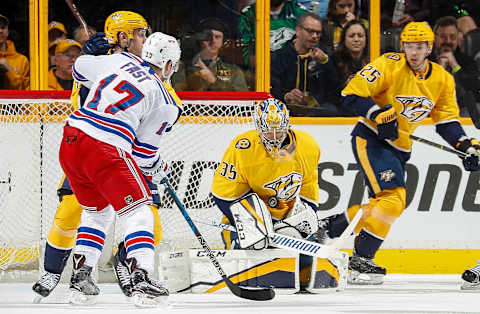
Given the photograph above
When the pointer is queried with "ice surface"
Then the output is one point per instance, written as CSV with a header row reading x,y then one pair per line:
x,y
399,294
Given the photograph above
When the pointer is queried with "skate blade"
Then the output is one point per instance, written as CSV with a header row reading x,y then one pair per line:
x,y
78,298
467,286
356,278
142,300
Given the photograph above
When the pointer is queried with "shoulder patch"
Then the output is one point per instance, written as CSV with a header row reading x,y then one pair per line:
x,y
243,144
393,56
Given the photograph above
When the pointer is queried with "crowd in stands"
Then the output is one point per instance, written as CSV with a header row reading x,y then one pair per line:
x,y
316,47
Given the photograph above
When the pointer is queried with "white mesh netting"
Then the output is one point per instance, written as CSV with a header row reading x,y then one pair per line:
x,y
30,134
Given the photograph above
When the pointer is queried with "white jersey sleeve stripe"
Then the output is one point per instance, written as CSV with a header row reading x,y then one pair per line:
x,y
143,150
77,76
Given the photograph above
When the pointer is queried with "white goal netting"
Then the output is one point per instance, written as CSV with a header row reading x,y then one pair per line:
x,y
30,132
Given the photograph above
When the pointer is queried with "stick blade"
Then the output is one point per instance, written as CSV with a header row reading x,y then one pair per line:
x,y
255,294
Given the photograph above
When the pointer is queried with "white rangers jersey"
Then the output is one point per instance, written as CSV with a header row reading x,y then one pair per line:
x,y
128,106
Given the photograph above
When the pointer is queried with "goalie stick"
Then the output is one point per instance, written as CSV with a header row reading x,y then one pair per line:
x,y
260,294
301,246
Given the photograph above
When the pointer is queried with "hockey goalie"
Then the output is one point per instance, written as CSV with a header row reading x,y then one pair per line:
x,y
266,186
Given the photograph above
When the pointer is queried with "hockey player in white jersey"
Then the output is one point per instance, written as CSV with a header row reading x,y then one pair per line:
x,y
105,146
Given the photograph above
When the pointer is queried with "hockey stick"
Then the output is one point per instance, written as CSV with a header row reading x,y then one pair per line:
x,y
439,146
260,294
77,15
301,246
282,241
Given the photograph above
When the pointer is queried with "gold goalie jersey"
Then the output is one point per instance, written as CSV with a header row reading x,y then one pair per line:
x,y
247,166
389,80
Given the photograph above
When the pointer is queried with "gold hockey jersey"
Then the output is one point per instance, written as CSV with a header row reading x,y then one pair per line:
x,y
277,180
389,80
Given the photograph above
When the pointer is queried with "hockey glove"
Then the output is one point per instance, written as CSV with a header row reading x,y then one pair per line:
x,y
387,125
157,171
96,45
470,146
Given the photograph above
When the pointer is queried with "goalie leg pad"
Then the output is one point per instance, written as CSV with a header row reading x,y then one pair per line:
x,y
328,275
253,222
191,271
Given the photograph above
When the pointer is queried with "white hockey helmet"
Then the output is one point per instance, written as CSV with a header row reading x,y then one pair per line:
x,y
272,122
159,48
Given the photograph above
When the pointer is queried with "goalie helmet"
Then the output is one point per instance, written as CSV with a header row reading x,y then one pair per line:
x,y
272,122
161,48
123,21
418,32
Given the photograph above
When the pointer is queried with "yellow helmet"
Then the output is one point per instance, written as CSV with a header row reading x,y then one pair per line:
x,y
123,21
418,32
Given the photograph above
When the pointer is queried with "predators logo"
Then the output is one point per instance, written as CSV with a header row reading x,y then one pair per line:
x,y
415,108
286,187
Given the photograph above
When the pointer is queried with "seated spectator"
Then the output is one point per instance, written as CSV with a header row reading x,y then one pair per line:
x,y
302,74
447,54
14,67
283,19
207,71
60,76
350,56
340,12
56,30
415,10
80,36
51,52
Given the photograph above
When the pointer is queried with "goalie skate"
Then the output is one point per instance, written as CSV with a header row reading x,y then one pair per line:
x,y
146,292
364,271
83,291
45,285
471,278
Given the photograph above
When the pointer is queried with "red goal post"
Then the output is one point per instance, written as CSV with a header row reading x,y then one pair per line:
x,y
31,125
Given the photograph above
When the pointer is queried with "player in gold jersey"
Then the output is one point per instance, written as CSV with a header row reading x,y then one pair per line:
x,y
393,94
277,163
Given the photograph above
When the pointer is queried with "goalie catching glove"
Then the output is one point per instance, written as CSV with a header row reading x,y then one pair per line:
x,y
301,221
470,146
386,120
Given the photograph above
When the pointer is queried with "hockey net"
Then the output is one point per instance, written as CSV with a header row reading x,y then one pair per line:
x,y
31,126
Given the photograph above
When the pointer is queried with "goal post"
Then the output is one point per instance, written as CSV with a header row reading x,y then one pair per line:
x,y
31,127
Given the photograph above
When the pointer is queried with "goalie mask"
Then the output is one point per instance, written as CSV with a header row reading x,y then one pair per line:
x,y
123,21
272,123
161,48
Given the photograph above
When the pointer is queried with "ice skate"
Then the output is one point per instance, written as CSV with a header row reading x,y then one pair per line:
x,y
121,273
364,271
146,292
471,278
45,285
83,290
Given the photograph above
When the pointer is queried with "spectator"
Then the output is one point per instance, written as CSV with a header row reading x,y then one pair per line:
x,y
283,19
207,71
51,52
302,74
60,76
56,30
80,36
350,56
14,67
340,12
448,55
415,10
